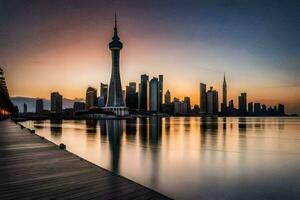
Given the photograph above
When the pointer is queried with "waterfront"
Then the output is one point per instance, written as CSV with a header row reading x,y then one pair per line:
x,y
189,158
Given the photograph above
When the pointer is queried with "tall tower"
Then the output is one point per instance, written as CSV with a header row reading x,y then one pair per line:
x,y
115,101
224,92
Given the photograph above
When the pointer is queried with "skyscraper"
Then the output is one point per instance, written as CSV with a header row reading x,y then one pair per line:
x,y
154,95
39,105
250,108
168,97
203,98
186,105
131,96
56,102
243,104
257,109
212,102
90,98
102,99
160,92
143,93
224,103
115,100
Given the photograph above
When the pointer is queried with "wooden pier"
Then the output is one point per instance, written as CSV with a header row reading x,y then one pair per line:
x,y
31,167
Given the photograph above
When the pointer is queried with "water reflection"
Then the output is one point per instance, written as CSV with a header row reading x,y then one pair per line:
x,y
192,158
56,128
114,131
91,127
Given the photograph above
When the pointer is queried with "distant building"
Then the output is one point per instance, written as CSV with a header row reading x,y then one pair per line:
x,y
103,94
160,92
168,97
24,108
250,109
257,109
281,111
78,106
203,99
143,93
224,103
101,101
56,102
178,106
39,105
90,98
154,95
131,96
212,102
243,104
186,105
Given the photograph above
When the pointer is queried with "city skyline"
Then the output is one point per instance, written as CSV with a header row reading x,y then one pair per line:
x,y
71,76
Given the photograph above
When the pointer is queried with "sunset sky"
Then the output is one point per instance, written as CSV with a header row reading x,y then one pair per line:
x,y
62,45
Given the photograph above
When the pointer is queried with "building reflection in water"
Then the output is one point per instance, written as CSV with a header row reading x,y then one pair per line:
x,y
155,142
56,128
242,125
143,130
208,131
131,129
91,127
114,130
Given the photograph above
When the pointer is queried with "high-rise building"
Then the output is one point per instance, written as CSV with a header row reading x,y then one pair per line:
x,y
281,111
224,102
178,106
143,93
131,96
103,94
250,109
115,100
186,105
56,102
24,108
90,98
160,92
257,109
243,104
203,104
154,95
168,97
212,102
39,105
78,106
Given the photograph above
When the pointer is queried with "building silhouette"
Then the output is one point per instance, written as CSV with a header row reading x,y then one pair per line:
x,y
115,101
143,93
167,97
90,98
103,95
154,95
212,102
79,106
281,111
186,105
250,109
56,102
39,105
224,102
243,104
203,103
160,92
131,97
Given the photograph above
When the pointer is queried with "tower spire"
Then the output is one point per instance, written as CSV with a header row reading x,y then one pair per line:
x,y
116,37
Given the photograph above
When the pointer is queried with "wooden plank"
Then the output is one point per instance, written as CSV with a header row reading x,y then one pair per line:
x,y
32,168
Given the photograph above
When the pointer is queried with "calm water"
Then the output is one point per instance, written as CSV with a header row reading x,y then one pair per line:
x,y
191,158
